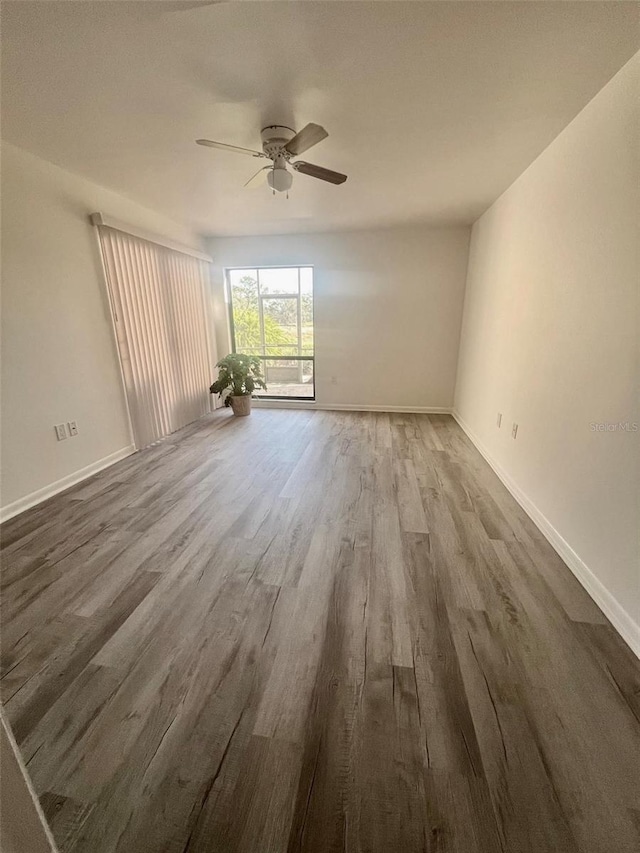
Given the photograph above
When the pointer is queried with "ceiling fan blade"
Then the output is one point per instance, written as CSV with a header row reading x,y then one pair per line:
x,y
305,139
319,172
258,179
224,147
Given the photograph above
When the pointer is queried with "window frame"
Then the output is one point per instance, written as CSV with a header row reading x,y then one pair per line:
x,y
263,358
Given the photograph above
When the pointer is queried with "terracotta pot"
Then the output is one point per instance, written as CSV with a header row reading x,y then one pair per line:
x,y
241,405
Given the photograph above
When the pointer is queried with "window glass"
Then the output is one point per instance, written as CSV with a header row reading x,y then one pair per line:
x,y
272,317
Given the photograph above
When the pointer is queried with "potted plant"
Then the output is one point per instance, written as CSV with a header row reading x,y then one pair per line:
x,y
239,375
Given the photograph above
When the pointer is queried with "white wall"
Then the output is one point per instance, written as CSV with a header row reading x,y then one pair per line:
x,y
59,360
388,307
550,339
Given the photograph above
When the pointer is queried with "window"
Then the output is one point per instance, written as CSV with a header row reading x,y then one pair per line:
x,y
272,317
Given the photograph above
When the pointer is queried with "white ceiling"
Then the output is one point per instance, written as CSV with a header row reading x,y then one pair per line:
x,y
432,108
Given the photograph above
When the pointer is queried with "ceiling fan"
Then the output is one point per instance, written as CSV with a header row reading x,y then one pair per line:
x,y
280,144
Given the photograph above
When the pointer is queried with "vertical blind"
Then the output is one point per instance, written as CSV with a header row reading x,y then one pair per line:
x,y
158,299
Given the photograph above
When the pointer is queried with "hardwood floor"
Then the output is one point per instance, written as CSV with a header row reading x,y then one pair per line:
x,y
313,631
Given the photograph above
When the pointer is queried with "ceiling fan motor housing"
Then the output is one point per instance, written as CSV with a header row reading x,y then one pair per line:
x,y
274,138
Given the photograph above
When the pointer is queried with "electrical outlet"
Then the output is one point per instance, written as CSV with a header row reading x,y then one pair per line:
x,y
514,431
334,380
499,421
61,432
72,426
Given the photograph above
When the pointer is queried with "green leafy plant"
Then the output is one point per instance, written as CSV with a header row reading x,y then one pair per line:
x,y
239,374
246,321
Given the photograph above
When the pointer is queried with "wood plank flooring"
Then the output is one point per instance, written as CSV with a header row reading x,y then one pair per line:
x,y
313,631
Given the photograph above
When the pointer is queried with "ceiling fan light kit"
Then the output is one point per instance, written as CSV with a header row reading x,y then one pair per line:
x,y
280,144
279,178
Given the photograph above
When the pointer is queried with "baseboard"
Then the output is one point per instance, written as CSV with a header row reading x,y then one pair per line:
x,y
348,407
24,821
28,501
628,629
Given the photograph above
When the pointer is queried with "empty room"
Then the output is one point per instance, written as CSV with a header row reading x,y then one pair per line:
x,y
320,426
